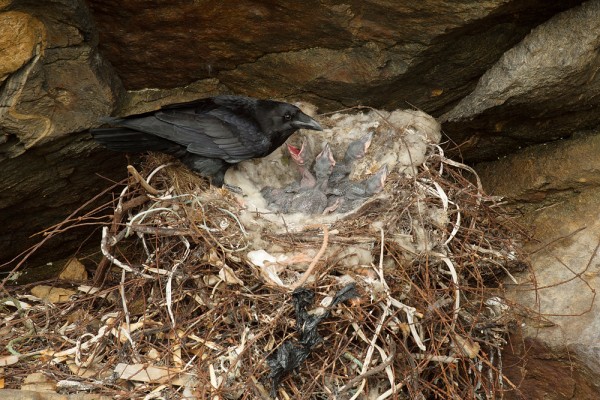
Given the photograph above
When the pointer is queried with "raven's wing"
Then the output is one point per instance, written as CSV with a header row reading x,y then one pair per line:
x,y
219,134
233,137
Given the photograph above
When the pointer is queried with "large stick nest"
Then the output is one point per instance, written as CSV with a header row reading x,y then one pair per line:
x,y
199,291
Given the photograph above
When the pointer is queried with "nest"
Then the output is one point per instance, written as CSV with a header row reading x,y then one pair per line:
x,y
209,293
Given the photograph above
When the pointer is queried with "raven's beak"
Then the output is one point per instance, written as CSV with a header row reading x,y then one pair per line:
x,y
303,121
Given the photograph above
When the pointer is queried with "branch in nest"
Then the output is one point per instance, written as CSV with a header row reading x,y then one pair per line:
x,y
136,175
314,262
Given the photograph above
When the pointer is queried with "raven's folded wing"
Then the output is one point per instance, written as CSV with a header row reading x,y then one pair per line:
x,y
218,134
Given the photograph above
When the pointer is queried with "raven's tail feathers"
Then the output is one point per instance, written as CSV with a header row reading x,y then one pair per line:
x,y
128,140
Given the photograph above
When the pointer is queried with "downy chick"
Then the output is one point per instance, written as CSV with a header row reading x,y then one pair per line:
x,y
356,193
313,200
280,198
302,157
355,151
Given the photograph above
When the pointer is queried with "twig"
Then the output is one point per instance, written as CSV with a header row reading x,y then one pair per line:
x,y
141,215
372,371
105,244
136,175
379,327
160,231
454,276
315,260
434,358
391,391
455,228
127,329
151,174
411,312
300,237
121,208
370,350
168,289
242,229
29,252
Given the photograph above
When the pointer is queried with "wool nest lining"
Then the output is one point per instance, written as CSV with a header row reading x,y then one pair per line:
x,y
201,295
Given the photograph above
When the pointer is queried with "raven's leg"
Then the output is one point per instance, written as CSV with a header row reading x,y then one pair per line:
x,y
212,168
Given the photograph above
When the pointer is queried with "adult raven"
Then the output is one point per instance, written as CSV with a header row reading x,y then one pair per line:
x,y
208,135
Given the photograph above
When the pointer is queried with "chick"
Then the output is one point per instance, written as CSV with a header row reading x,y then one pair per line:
x,y
356,193
355,151
302,157
313,200
340,176
279,199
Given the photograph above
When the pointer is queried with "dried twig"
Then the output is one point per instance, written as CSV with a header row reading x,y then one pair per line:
x,y
136,175
373,371
314,262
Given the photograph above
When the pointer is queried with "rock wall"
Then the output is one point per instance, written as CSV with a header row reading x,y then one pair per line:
x,y
545,88
555,188
54,80
54,85
336,54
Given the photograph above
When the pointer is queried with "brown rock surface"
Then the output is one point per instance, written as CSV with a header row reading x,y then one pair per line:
x,y
547,172
544,373
55,84
556,188
382,54
44,185
20,34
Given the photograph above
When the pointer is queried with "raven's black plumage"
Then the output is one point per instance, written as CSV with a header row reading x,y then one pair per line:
x,y
208,135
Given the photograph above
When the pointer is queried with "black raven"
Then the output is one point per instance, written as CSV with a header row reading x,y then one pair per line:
x,y
208,135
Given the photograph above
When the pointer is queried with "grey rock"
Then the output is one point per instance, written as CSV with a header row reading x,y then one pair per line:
x,y
544,88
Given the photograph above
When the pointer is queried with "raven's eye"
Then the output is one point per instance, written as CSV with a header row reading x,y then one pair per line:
x,y
287,117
